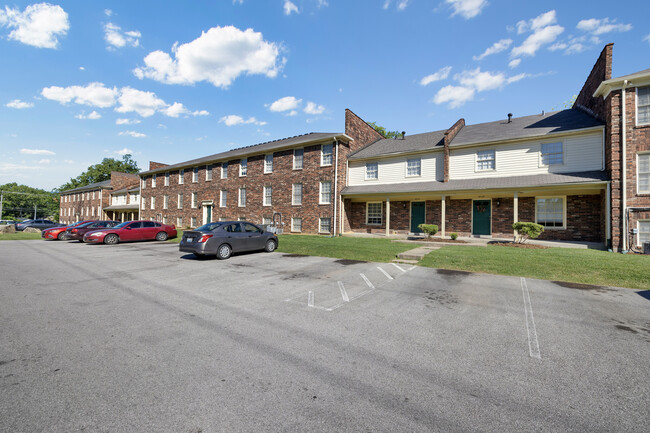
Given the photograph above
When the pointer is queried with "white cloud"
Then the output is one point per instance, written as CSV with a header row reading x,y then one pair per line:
x,y
537,40
467,8
94,94
39,25
127,121
116,38
17,103
537,23
517,77
292,113
6,167
44,161
313,108
455,95
497,47
647,38
133,134
481,81
93,115
441,74
600,27
285,104
144,103
124,151
108,12
322,4
81,68
36,152
200,113
514,63
290,7
233,119
68,161
174,110
402,5
386,4
218,56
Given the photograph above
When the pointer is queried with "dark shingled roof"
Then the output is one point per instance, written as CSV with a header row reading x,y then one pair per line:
x,y
410,143
97,185
129,189
482,183
247,150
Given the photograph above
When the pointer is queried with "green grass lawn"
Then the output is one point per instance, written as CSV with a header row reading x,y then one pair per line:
x,y
556,264
367,249
19,236
177,239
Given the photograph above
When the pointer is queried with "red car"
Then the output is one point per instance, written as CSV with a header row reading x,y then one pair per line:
x,y
77,233
57,233
131,231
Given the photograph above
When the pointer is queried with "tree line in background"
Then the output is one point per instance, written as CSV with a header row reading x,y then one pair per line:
x,y
20,202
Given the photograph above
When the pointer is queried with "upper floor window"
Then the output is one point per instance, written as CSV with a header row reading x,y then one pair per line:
x,y
297,158
268,195
243,167
144,183
153,181
242,197
195,175
153,202
296,194
165,201
167,179
181,176
93,195
208,172
414,167
268,163
552,153
180,201
485,159
223,198
372,170
195,200
643,105
325,193
549,212
644,173
326,154
224,170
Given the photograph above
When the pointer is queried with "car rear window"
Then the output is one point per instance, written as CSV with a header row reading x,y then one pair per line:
x,y
209,227
148,224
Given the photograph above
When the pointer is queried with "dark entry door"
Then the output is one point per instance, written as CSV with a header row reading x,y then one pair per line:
x,y
208,214
417,216
481,215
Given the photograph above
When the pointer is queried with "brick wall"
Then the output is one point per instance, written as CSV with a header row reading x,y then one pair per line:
x,y
449,136
601,71
156,165
121,180
82,206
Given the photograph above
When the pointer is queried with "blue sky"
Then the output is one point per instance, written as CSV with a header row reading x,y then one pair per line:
x,y
170,81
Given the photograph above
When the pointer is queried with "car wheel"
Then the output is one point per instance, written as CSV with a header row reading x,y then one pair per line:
x,y
60,236
111,239
224,252
161,236
270,246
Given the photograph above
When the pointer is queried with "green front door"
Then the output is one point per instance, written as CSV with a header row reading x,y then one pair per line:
x,y
481,215
417,216
208,214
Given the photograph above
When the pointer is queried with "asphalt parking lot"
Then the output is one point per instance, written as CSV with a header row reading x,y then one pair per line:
x,y
140,337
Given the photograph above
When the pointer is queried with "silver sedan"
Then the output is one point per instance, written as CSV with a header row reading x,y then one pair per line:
x,y
223,238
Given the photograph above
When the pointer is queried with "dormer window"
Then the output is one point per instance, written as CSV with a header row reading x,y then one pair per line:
x,y
485,160
372,170
552,153
414,167
643,105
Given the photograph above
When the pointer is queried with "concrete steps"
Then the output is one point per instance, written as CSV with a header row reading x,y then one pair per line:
x,y
417,253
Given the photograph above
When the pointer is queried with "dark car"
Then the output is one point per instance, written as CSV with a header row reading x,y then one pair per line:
x,y
57,233
227,237
131,231
8,222
37,224
77,233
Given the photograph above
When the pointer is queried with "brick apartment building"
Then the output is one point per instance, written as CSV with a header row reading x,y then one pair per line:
x,y
95,201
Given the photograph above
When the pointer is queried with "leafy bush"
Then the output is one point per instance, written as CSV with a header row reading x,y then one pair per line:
x,y
526,230
429,229
453,236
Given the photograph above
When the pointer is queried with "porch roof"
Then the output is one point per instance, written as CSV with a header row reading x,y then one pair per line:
x,y
125,207
481,184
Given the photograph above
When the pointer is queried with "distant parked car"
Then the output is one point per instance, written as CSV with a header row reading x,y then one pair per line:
x,y
57,233
77,233
131,231
37,224
227,237
7,222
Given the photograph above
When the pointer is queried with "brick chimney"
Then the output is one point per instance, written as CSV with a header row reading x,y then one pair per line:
x,y
450,134
154,165
362,133
601,71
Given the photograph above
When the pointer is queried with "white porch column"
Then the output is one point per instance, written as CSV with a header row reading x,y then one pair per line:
x,y
515,206
387,216
443,217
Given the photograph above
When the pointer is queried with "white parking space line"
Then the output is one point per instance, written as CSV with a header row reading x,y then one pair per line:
x,y
385,273
410,269
398,267
344,294
310,299
367,281
533,344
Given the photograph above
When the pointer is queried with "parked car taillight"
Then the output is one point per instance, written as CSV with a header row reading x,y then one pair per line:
x,y
74,230
205,238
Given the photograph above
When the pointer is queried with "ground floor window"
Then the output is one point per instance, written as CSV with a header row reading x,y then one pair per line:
x,y
179,222
549,212
644,232
193,221
296,224
266,221
325,225
373,213
223,219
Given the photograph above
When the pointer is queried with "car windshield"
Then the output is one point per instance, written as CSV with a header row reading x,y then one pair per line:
x,y
121,226
81,225
209,227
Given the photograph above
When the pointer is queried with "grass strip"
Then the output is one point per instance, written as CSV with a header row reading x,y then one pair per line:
x,y
366,249
19,236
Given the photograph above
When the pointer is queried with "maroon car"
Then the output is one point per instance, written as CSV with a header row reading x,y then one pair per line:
x,y
131,231
77,233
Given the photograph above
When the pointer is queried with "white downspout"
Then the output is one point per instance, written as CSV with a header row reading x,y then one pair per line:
x,y
624,166
336,183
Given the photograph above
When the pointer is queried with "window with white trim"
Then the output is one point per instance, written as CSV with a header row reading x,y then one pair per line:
x,y
165,219
167,179
153,202
296,224
268,195
180,200
298,158
266,221
208,172
165,201
373,213
153,181
179,221
93,195
552,153
413,167
325,196
243,167
324,225
549,212
195,200
195,175
143,204
193,220
242,197
223,198
372,170
241,219
296,194
326,154
223,219
268,163
485,160
644,232
643,105
643,164
224,170
181,176
143,186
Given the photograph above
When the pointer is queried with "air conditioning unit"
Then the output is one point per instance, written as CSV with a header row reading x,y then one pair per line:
x,y
646,248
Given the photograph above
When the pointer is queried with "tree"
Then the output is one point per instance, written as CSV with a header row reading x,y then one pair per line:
x,y
382,131
20,201
101,172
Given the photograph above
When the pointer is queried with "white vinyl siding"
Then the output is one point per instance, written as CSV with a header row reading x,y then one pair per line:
x,y
326,155
325,196
296,194
298,158
643,164
644,232
243,167
485,160
372,170
413,167
393,170
223,198
643,105
268,163
581,153
550,212
373,213
268,195
242,197
324,225
296,224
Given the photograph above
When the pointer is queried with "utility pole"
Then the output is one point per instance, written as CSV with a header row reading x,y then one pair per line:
x,y
1,197
34,211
